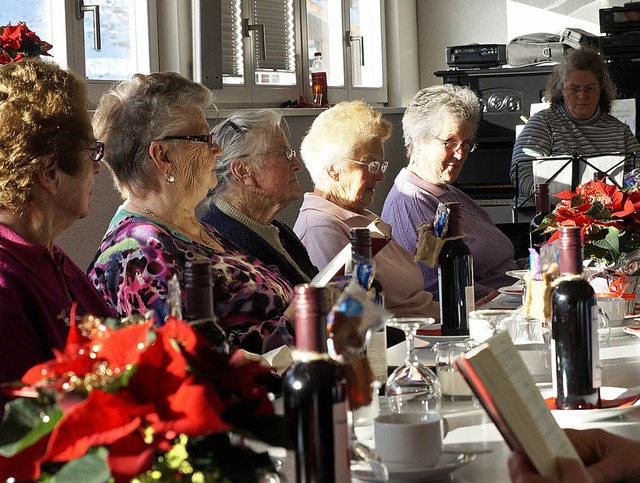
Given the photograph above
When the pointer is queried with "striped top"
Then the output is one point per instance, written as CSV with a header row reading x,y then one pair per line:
x,y
554,132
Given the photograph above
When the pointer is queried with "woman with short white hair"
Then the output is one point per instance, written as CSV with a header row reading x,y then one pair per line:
x,y
344,153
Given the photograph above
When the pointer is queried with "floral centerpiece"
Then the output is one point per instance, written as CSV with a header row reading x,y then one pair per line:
x,y
139,403
607,216
17,41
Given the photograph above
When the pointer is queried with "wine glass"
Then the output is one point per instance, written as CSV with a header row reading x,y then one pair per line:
x,y
412,387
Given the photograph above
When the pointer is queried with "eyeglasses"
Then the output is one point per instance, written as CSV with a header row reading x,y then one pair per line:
x,y
201,138
95,152
575,90
373,166
288,153
467,146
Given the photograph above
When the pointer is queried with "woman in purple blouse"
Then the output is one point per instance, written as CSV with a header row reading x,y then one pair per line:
x,y
439,126
48,161
163,158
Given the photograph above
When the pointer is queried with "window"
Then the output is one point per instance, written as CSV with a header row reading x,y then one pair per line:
x,y
260,39
102,40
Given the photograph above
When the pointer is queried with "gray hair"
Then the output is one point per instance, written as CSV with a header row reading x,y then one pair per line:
x,y
135,112
581,59
244,134
423,117
337,133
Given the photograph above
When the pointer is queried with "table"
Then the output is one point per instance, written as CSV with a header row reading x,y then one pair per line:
x,y
471,430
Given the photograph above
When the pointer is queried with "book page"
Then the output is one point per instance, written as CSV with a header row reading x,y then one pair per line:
x,y
518,401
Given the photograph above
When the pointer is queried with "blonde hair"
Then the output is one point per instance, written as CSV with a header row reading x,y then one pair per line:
x,y
337,133
43,113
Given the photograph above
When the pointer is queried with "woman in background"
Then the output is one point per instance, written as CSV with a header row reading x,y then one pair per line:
x,y
344,153
257,178
48,161
580,91
439,126
163,158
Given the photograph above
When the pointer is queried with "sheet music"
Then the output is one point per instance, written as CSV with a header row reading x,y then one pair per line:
x,y
545,169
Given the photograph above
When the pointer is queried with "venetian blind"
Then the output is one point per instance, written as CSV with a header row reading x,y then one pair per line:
x,y
277,18
232,51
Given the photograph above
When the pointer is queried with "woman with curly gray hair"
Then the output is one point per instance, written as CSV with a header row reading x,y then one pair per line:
x,y
580,91
257,178
163,159
439,127
49,158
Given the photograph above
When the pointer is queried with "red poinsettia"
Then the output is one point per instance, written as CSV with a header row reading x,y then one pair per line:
x,y
17,42
134,390
609,219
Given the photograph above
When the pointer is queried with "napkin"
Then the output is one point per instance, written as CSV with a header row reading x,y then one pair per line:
x,y
621,402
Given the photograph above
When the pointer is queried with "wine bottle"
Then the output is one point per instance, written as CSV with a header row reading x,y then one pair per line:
x,y
536,237
315,395
577,371
363,266
198,303
455,277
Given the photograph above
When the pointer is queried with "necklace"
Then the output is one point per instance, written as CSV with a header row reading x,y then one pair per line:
x,y
203,236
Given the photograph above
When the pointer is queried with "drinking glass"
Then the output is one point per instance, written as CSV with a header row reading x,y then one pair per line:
x,y
412,387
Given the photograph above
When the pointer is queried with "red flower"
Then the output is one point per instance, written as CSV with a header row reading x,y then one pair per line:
x,y
17,42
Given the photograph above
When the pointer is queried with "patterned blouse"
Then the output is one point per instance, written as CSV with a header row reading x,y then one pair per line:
x,y
138,255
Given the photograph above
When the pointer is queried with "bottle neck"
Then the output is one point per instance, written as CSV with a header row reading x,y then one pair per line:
x,y
542,203
198,286
570,251
455,227
312,307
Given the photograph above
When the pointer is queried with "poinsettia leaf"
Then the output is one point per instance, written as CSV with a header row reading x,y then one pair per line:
x,y
25,422
598,211
91,468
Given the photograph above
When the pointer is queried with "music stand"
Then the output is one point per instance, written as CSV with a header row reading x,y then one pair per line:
x,y
574,160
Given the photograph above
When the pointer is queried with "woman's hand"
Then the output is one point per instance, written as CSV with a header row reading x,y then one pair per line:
x,y
608,458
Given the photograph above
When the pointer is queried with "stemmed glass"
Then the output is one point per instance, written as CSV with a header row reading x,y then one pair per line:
x,y
412,387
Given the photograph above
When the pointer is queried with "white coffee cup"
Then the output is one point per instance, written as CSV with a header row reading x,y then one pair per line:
x,y
406,441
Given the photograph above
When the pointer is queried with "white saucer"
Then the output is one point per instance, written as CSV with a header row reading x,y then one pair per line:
x,y
447,463
519,274
517,289
573,416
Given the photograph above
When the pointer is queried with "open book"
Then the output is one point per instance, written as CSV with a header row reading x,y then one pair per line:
x,y
497,375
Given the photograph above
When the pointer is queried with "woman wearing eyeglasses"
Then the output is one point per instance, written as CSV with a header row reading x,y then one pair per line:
x,y
580,91
48,162
164,160
439,127
257,179
344,154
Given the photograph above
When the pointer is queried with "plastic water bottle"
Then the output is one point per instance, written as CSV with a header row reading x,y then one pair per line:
x,y
319,81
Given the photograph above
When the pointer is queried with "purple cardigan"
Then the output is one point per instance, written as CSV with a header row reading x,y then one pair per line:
x,y
413,200
36,293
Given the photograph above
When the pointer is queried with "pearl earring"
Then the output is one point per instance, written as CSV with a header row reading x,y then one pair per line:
x,y
169,178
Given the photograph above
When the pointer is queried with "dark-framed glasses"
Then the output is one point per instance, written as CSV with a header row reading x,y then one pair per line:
x,y
575,90
201,138
467,146
372,166
95,152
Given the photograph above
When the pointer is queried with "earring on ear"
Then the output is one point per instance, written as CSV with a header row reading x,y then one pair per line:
x,y
169,178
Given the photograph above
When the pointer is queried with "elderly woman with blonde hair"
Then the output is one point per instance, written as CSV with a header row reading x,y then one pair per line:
x,y
163,158
49,158
257,179
344,154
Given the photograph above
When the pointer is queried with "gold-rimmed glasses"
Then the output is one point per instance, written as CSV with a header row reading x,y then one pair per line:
x,y
467,146
95,152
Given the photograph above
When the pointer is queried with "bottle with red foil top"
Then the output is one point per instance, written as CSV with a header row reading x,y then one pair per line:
x,y
574,327
319,81
536,237
315,395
